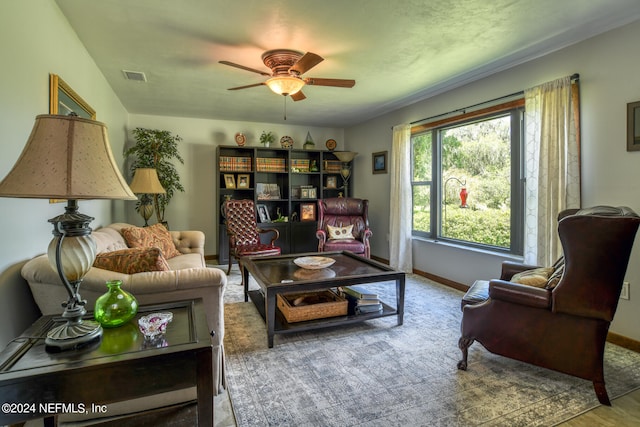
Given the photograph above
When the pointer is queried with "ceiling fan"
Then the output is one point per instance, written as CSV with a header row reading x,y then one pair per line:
x,y
287,67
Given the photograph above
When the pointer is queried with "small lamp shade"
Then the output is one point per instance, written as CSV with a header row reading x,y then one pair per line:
x,y
66,157
145,181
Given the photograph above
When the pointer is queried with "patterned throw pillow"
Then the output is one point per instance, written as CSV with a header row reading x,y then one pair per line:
x,y
340,233
558,270
537,277
131,261
154,236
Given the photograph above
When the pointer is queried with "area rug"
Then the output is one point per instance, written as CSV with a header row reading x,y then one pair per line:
x,y
380,374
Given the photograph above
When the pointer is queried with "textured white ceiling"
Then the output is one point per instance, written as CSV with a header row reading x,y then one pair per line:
x,y
398,52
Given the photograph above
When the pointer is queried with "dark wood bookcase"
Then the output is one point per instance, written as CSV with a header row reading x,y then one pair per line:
x,y
287,182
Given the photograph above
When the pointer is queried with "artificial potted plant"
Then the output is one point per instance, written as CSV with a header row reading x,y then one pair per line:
x,y
157,149
267,138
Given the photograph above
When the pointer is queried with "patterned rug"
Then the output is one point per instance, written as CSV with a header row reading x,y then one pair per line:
x,y
380,374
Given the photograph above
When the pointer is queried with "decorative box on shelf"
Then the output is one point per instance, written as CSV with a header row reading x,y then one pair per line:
x,y
299,307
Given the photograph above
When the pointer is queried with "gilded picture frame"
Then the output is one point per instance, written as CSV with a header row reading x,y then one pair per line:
x,y
63,100
633,126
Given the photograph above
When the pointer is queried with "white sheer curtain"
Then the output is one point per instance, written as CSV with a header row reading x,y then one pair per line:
x,y
552,141
400,207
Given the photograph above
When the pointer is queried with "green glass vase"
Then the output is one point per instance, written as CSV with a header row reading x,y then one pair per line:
x,y
116,307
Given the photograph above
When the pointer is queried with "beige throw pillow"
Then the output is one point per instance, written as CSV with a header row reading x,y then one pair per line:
x,y
537,277
340,233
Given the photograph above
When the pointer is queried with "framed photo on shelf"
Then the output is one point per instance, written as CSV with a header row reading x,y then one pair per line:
x,y
229,180
263,213
332,182
307,211
268,191
379,162
243,181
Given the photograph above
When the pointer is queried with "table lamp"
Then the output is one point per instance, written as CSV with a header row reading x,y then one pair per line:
x,y
68,157
145,181
345,171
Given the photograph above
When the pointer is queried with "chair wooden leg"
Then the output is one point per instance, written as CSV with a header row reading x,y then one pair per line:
x,y
230,260
601,392
463,345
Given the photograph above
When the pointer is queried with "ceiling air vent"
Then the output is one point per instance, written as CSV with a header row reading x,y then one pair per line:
x,y
137,76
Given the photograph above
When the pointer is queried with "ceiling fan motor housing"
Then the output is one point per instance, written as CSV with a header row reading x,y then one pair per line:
x,y
280,60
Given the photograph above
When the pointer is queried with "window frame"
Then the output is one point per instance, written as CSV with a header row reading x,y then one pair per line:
x,y
515,109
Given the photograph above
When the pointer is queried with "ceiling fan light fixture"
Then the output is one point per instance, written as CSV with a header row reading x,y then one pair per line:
x,y
285,85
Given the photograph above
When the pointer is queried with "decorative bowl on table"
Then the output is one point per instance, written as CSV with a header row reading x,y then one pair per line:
x,y
314,262
154,325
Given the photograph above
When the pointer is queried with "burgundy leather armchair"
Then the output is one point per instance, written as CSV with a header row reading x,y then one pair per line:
x,y
244,233
563,328
343,212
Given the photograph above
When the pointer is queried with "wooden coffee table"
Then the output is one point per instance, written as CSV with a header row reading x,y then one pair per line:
x,y
35,383
277,275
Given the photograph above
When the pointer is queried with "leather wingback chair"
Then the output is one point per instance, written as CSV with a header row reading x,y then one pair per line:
x,y
244,233
342,212
562,327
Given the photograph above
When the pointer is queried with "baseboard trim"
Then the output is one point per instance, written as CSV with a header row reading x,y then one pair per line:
x,y
612,337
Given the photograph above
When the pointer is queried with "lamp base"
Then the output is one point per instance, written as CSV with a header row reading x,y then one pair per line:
x,y
73,334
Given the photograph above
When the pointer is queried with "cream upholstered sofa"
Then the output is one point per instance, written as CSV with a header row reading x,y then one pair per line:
x,y
188,277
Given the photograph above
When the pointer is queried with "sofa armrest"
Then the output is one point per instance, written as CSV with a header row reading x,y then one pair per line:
x,y
509,268
189,242
519,294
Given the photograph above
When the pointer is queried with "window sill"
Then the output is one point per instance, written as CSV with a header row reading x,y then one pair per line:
x,y
503,255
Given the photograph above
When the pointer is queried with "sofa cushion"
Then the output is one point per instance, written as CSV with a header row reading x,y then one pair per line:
x,y
133,260
537,277
154,236
340,233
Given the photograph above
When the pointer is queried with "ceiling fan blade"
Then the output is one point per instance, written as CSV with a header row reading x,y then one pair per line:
x,y
247,86
307,62
298,96
329,82
242,67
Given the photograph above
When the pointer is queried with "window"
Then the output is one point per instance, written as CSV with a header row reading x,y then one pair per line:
x,y
467,180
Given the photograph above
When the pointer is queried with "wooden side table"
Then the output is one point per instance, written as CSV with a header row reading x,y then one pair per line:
x,y
35,383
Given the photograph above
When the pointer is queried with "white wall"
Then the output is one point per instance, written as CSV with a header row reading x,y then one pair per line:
x,y
609,80
197,207
36,40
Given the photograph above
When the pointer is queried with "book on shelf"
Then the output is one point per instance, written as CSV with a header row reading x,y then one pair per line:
x,y
367,309
358,292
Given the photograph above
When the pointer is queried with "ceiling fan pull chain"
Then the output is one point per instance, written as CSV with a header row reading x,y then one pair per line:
x,y
285,107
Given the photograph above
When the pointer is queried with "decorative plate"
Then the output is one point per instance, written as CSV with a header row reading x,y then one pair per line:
x,y
286,142
314,262
331,144
240,139
307,274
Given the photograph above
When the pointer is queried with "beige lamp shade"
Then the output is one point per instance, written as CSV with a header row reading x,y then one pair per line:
x,y
145,181
66,157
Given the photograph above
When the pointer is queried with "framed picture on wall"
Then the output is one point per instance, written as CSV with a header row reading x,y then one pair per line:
x,y
332,182
379,162
633,126
307,211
